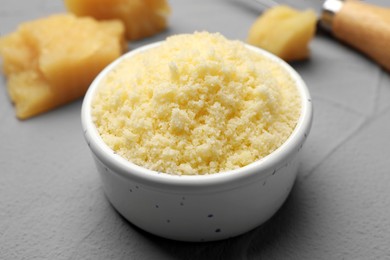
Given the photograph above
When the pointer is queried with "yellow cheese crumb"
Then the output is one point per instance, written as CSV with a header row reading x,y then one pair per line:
x,y
196,104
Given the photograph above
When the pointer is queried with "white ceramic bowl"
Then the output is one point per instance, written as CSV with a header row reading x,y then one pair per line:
x,y
204,207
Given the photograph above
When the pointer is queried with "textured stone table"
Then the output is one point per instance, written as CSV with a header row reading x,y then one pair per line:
x,y
52,205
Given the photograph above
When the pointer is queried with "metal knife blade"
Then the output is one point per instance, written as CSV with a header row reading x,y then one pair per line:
x,y
316,5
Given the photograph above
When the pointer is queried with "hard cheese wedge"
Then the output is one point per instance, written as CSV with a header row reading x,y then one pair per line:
x,y
284,31
51,61
142,18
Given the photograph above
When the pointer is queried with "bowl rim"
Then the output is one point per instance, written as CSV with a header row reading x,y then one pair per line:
x,y
261,168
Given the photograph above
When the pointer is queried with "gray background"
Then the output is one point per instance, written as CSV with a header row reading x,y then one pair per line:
x,y
52,205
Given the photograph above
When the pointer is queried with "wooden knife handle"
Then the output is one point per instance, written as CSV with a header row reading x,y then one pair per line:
x,y
365,27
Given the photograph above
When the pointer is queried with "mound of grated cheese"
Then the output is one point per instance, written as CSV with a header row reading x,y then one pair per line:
x,y
196,104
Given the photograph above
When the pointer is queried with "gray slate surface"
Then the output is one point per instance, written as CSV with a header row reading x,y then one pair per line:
x,y
52,205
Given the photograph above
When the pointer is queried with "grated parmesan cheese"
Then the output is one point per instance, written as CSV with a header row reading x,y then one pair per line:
x,y
196,104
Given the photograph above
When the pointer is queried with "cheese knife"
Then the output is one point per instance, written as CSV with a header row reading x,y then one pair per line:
x,y
364,26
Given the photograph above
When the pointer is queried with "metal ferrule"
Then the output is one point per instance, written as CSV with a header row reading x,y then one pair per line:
x,y
329,9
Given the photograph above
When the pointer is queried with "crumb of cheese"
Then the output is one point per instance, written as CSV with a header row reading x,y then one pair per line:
x,y
196,104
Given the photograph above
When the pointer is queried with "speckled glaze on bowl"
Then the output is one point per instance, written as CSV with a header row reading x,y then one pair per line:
x,y
205,207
